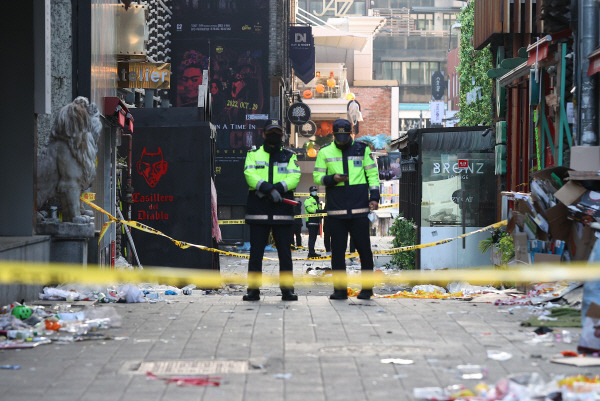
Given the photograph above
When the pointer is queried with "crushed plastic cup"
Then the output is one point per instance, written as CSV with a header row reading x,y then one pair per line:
x,y
429,393
187,290
471,372
498,355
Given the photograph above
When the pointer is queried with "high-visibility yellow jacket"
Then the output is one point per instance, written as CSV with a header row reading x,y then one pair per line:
x,y
264,172
347,199
311,205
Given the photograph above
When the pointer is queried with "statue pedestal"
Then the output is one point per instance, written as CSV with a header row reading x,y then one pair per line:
x,y
69,243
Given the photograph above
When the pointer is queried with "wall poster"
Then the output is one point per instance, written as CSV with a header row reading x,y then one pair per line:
x,y
230,38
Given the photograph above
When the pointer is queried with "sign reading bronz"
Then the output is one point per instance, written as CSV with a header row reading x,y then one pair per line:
x,y
144,75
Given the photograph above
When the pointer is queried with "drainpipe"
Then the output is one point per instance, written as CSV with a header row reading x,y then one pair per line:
x,y
587,37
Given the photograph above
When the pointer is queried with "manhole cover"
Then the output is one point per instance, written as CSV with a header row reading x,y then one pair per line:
x,y
373,349
190,367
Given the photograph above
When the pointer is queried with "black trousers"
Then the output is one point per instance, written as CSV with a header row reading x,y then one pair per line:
x,y
297,232
326,234
358,228
259,235
313,231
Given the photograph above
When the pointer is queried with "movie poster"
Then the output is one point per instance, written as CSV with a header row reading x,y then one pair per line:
x,y
230,38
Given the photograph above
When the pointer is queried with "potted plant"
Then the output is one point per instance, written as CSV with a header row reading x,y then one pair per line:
x,y
501,245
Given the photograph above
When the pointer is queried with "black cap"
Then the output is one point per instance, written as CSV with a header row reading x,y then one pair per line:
x,y
274,125
312,189
342,126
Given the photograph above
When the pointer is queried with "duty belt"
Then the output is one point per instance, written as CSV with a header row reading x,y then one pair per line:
x,y
266,217
352,211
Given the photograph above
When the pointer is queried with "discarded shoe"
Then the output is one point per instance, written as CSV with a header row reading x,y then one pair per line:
x,y
252,295
339,294
365,294
287,294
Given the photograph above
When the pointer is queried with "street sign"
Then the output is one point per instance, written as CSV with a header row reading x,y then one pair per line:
x,y
438,85
298,113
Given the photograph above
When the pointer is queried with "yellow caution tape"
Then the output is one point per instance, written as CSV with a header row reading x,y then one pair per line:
x,y
185,245
388,205
306,195
225,222
41,273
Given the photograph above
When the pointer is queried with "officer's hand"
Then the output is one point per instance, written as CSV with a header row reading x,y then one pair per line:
x,y
276,196
340,178
373,205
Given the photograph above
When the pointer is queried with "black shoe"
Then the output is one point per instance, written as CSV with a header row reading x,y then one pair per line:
x,y
314,255
287,294
252,295
365,294
339,294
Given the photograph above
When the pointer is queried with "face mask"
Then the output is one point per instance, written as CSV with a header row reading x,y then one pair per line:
x,y
314,193
341,140
273,139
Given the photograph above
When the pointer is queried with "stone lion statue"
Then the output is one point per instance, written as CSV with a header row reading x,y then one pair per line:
x,y
66,167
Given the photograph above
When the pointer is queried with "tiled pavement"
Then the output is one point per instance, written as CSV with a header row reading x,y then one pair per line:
x,y
310,350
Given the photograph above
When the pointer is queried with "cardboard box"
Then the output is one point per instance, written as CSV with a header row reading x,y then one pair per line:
x,y
581,241
585,158
570,192
520,243
560,228
545,258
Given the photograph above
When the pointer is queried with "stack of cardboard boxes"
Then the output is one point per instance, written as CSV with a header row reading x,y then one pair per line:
x,y
552,222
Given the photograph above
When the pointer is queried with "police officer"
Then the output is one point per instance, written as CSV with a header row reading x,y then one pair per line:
x,y
311,205
350,176
272,173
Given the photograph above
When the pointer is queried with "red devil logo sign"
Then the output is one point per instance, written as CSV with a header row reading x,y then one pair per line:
x,y
152,166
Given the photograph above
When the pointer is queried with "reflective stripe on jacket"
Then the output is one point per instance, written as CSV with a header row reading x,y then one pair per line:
x,y
347,199
311,206
279,168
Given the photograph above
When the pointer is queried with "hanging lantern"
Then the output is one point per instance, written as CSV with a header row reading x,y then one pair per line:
x,y
331,82
311,152
320,88
307,94
350,96
318,74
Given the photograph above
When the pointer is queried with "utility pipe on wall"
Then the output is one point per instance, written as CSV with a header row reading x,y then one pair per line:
x,y
587,36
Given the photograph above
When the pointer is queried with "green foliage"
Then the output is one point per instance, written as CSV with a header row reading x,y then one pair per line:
x,y
405,234
497,234
507,247
473,64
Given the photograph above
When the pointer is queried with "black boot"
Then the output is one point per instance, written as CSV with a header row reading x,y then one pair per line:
x,y
252,295
287,294
339,294
365,294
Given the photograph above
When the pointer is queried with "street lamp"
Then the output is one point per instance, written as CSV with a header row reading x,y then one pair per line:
x,y
457,26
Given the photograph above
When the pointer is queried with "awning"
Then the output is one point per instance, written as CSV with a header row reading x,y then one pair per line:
x,y
594,58
339,39
539,50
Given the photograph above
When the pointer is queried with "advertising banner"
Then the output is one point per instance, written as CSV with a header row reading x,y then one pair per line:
x,y
302,52
230,39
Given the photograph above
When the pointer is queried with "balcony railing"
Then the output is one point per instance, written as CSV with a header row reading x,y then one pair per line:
x,y
400,22
329,83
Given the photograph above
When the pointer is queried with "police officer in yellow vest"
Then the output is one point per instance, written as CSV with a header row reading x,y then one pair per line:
x,y
351,179
272,173
311,205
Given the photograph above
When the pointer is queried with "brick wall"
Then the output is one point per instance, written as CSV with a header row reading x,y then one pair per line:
x,y
376,109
